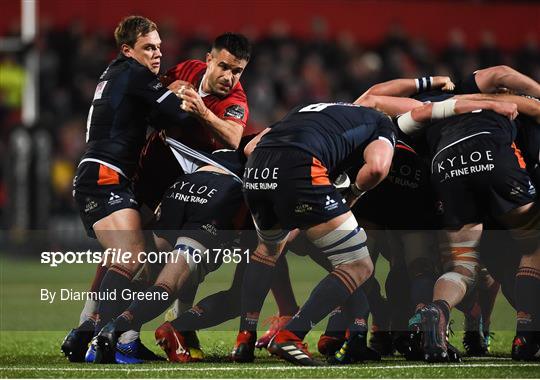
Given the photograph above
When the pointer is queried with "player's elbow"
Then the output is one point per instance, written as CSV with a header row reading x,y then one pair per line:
x,y
367,100
378,170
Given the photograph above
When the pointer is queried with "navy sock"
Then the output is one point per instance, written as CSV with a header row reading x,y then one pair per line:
x,y
445,307
282,289
357,311
116,279
331,292
422,289
142,311
210,311
337,323
527,290
258,277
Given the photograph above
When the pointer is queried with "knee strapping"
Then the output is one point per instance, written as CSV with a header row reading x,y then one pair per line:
x,y
188,248
347,243
465,282
462,255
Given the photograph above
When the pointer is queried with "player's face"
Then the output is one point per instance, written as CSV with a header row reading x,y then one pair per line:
x,y
223,72
146,51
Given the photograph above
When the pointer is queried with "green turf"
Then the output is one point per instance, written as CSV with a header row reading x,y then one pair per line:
x,y
31,332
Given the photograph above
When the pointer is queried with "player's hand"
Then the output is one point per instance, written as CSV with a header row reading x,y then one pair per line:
x,y
510,110
178,84
192,102
444,83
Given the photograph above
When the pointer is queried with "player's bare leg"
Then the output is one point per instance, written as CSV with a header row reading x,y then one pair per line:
x,y
461,267
121,232
351,268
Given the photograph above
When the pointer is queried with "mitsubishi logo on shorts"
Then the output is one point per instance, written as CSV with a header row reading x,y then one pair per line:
x,y
330,203
115,199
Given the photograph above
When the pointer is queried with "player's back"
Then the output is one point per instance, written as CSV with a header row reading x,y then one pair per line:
x,y
453,130
332,132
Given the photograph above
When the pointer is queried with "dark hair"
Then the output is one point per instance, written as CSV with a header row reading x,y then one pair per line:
x,y
236,44
131,28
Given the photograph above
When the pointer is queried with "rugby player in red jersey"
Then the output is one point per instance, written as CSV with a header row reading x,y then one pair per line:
x,y
216,101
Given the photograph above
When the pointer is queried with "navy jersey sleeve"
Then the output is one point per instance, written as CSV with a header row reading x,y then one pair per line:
x,y
146,85
386,130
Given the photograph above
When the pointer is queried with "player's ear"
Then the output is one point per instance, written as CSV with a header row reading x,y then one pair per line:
x,y
126,50
208,58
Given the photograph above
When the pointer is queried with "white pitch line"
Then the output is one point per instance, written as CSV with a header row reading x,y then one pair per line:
x,y
273,368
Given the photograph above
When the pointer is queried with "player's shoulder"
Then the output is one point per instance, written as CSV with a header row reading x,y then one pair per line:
x,y
187,70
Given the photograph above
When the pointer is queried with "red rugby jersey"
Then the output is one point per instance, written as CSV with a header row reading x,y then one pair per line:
x,y
232,107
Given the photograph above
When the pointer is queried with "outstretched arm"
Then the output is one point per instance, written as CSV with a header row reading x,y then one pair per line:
x,y
390,105
491,79
407,87
418,118
527,106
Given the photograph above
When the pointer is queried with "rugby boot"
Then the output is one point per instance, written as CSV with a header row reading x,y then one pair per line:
x,y
106,344
194,346
354,350
434,327
90,355
328,345
488,337
382,342
474,343
453,353
174,344
244,349
274,323
409,343
526,348
288,346
126,353
76,342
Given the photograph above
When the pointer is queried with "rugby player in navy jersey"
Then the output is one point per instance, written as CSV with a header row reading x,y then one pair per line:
x,y
215,117
475,87
471,189
128,91
287,185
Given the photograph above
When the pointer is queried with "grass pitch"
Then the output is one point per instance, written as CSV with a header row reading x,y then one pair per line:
x,y
31,332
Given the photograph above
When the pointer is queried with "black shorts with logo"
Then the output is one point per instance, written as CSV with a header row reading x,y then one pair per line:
x,y
479,177
289,188
99,191
204,206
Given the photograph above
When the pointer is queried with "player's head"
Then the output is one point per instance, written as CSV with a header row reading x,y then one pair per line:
x,y
226,62
138,38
